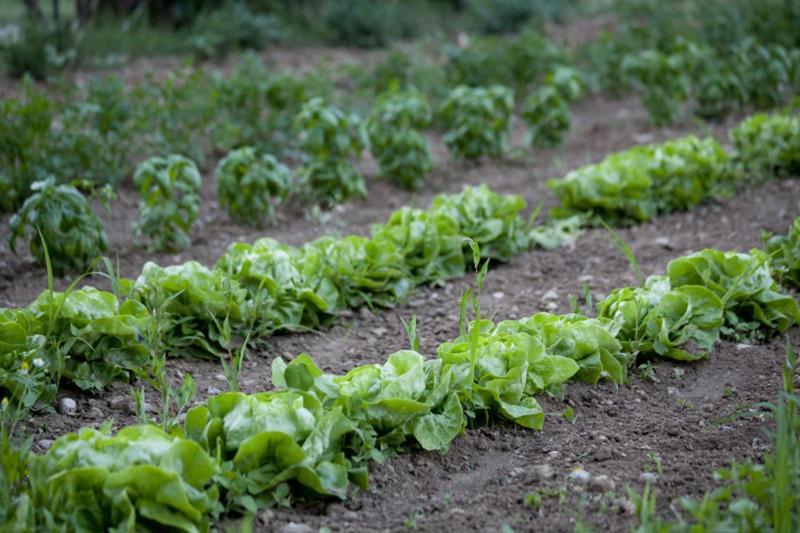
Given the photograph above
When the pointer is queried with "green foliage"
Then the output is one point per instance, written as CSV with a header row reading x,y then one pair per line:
x,y
297,288
170,200
24,136
141,476
717,89
658,320
429,241
202,309
784,254
478,120
395,140
26,377
546,110
97,338
764,71
39,137
515,61
567,81
255,107
216,33
60,216
590,343
362,23
663,78
491,220
754,305
250,186
644,181
768,145
506,16
548,116
42,48
329,137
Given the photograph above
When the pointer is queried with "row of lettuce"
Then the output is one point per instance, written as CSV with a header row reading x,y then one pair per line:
x,y
91,337
315,433
252,183
633,185
638,184
244,449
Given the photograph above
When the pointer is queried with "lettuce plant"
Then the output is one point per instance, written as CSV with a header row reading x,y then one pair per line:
x,y
492,220
26,375
250,186
170,200
329,137
202,308
478,120
95,337
141,476
644,181
429,242
768,145
71,231
784,254
269,439
754,306
656,320
395,140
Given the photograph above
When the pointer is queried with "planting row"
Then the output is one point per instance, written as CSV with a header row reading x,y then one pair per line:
x,y
316,433
634,185
256,290
91,337
92,133
645,181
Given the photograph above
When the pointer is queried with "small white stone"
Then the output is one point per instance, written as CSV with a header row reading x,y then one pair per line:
x,y
648,477
67,406
579,475
550,295
498,295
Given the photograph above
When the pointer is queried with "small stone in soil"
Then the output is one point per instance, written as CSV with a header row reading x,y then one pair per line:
x,y
294,527
498,295
648,477
211,390
579,475
550,295
627,507
601,484
601,454
67,406
537,473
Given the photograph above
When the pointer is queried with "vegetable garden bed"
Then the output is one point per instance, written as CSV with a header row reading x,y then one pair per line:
x,y
671,426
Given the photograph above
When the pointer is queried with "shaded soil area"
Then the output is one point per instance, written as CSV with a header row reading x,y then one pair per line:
x,y
680,417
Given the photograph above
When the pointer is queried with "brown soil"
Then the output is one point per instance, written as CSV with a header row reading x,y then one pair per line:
x,y
481,483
